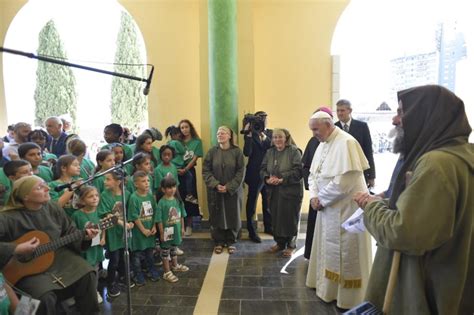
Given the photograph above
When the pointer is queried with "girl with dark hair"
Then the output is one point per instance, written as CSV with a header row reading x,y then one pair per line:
x,y
31,152
88,200
165,169
141,162
170,219
193,145
105,160
66,170
186,179
144,144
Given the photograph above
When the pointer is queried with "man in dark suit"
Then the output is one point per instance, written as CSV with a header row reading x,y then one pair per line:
x,y
255,146
56,143
360,131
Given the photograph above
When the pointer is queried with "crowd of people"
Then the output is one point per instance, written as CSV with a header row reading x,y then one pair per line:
x,y
47,186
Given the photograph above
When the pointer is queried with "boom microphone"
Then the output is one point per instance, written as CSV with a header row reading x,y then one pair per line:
x,y
146,90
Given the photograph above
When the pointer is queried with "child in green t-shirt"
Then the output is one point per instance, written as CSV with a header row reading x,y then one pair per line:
x,y
170,219
166,168
11,171
186,177
66,170
88,200
140,162
105,159
111,203
141,210
31,152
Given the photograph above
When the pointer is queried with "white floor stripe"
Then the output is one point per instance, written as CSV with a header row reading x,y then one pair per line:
x,y
211,291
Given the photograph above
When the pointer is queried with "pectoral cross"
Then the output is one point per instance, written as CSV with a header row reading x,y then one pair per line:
x,y
58,280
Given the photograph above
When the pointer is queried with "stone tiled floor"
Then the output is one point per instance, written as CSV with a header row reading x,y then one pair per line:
x,y
253,285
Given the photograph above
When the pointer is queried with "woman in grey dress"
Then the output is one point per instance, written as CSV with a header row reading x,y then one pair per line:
x,y
282,173
223,172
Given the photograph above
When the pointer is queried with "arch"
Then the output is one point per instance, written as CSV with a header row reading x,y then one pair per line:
x,y
89,31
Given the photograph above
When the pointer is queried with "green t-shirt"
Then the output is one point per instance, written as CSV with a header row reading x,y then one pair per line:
x,y
142,208
95,254
87,168
108,204
49,156
4,299
45,173
169,214
7,186
99,184
55,195
193,148
179,152
161,171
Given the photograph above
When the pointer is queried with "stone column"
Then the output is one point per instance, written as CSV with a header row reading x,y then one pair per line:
x,y
223,80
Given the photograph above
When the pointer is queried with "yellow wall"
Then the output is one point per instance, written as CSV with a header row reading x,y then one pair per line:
x,y
284,60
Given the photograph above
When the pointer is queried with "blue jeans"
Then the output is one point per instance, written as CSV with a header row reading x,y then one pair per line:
x,y
116,263
147,256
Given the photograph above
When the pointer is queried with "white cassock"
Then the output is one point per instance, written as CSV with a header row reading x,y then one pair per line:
x,y
340,261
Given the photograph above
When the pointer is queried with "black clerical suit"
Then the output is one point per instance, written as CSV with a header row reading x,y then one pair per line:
x,y
307,159
254,149
360,131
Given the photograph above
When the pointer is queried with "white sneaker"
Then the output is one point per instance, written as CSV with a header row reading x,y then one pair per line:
x,y
188,231
99,298
179,251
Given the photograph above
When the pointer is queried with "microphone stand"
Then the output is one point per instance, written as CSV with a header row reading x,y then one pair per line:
x,y
119,167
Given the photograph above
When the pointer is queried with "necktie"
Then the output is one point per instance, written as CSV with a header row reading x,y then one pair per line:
x,y
346,127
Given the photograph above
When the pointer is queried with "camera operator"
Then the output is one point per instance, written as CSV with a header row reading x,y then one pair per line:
x,y
257,140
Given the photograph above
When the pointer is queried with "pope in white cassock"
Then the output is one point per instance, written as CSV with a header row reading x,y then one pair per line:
x,y
339,268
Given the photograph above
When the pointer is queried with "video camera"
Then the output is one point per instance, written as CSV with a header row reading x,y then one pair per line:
x,y
257,123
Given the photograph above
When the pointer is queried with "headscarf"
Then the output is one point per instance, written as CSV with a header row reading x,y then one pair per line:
x,y
21,188
433,117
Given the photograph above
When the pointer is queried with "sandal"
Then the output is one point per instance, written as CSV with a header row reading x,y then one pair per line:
x,y
180,268
274,249
170,277
287,253
231,249
218,249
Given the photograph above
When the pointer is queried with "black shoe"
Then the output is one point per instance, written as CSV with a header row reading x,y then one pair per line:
x,y
113,290
255,238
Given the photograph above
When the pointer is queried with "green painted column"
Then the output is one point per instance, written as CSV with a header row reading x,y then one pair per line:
x,y
223,81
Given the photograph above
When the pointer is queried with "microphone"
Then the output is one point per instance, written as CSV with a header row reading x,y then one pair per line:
x,y
146,90
61,187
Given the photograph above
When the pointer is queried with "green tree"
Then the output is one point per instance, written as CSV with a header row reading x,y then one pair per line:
x,y
55,92
128,103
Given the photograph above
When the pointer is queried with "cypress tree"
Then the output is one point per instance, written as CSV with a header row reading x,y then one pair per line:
x,y
128,104
55,92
